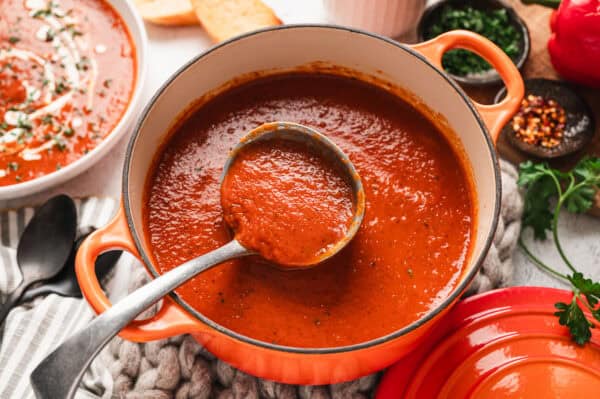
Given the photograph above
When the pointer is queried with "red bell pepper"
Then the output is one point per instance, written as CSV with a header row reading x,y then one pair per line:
x,y
574,45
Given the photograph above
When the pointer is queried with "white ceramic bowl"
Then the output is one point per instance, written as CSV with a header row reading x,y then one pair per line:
x,y
138,35
390,18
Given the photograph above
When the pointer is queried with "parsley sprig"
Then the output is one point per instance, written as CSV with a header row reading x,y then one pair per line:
x,y
575,191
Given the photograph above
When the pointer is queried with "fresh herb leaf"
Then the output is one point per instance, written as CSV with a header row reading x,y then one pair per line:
x,y
50,35
24,123
589,288
61,87
59,143
588,169
14,40
571,316
6,66
541,189
47,119
581,199
83,64
575,191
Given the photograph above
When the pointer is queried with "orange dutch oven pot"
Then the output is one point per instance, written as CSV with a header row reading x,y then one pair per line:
x,y
417,69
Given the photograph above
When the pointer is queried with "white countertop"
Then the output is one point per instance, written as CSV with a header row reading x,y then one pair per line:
x,y
172,47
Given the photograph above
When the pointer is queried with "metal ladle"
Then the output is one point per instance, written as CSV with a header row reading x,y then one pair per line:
x,y
59,374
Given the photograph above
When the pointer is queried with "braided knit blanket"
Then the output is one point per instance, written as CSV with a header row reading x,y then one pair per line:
x,y
180,368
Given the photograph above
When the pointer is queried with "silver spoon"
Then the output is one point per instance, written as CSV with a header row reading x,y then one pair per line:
x,y
65,282
44,246
59,374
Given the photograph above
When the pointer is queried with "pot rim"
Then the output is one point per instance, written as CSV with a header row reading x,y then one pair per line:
x,y
298,350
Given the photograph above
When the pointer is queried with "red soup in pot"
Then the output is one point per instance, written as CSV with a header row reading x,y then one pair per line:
x,y
67,72
408,255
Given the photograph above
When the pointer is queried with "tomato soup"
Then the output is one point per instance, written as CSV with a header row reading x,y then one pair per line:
x,y
408,255
284,200
67,71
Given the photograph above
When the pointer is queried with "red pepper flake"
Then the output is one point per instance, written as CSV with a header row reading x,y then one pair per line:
x,y
540,121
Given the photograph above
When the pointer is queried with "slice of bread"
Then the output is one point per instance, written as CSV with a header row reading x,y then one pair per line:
x,y
167,12
224,19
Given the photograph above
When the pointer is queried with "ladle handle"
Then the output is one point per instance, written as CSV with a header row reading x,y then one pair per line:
x,y
59,374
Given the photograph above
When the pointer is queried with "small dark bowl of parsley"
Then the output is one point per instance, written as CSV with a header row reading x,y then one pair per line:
x,y
490,18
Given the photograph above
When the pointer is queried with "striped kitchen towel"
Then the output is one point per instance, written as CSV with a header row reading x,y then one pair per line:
x,y
32,330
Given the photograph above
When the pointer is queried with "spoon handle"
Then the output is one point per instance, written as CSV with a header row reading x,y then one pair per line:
x,y
11,301
58,375
33,293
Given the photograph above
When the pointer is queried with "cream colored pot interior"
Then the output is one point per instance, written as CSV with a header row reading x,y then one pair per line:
x,y
290,47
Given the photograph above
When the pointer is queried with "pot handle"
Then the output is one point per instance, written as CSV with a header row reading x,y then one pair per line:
x,y
169,321
495,116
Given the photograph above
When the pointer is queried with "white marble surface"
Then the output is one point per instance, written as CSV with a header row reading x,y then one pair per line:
x,y
172,47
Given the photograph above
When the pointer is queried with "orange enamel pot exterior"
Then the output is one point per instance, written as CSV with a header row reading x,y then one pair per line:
x,y
279,49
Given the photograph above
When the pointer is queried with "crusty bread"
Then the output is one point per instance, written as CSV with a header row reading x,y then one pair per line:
x,y
224,19
167,12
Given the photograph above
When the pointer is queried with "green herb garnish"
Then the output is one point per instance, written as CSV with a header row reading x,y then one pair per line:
x,y
14,40
83,64
493,24
6,66
50,35
59,143
61,87
47,119
24,123
575,191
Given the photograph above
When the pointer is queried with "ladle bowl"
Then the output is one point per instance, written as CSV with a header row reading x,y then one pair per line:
x,y
327,149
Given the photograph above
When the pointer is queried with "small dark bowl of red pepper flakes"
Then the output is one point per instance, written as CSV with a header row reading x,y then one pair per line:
x,y
552,121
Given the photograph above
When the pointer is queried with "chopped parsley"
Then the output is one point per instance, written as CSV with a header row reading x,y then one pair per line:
x,y
494,24
50,35
31,96
47,119
6,66
46,12
14,39
24,123
83,64
59,143
61,87
72,29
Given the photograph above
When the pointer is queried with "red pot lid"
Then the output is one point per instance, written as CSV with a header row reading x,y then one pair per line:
x,y
505,343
